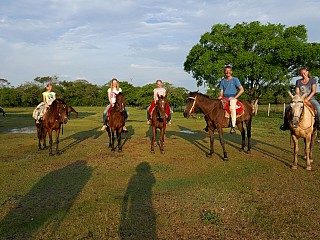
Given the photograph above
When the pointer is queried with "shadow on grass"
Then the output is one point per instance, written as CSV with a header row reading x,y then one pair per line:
x,y
138,217
47,203
80,137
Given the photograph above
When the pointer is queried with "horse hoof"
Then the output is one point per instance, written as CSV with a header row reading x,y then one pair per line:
x,y
248,152
225,159
308,168
112,150
152,152
241,150
119,150
162,152
294,167
209,155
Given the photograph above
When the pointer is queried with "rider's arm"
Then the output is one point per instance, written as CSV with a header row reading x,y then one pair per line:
x,y
313,91
241,90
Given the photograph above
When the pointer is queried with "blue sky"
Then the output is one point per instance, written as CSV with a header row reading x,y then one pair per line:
x,y
138,41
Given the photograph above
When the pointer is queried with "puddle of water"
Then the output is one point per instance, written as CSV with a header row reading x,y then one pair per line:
x,y
187,131
27,130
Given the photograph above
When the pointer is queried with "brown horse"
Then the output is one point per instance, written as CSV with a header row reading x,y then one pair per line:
x,y
159,120
55,116
301,124
70,110
2,111
116,121
216,118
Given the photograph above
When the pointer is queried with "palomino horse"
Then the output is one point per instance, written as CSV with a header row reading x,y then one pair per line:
x,y
216,119
70,110
55,116
159,120
301,124
116,121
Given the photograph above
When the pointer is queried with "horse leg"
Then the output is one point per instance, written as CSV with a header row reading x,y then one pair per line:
x,y
57,140
313,137
243,136
109,134
163,130
295,152
307,151
112,141
211,144
225,155
154,133
248,124
119,139
50,141
39,136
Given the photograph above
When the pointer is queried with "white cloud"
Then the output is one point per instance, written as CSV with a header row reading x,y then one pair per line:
x,y
136,40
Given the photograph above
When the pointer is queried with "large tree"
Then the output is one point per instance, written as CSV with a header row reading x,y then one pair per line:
x,y
264,57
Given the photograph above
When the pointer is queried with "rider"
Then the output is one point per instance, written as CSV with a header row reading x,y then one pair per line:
x,y
112,96
306,85
231,88
159,90
47,98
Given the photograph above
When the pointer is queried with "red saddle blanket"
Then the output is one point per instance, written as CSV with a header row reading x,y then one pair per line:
x,y
226,106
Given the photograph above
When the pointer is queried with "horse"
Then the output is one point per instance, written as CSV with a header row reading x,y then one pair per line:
x,y
215,116
116,121
2,111
54,117
159,120
70,110
301,124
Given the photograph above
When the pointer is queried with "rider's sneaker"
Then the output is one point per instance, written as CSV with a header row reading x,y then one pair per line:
x,y
37,121
124,128
233,130
206,129
148,122
103,127
170,123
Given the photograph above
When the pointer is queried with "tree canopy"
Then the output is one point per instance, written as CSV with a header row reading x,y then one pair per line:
x,y
264,57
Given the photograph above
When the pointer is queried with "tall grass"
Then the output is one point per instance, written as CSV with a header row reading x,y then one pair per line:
x,y
88,192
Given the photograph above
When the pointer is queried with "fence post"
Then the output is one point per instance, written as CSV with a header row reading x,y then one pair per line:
x,y
269,110
284,109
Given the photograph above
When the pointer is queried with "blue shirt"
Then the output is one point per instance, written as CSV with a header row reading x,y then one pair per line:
x,y
230,88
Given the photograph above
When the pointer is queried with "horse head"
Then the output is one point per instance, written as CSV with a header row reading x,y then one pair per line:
x,y
160,107
60,109
120,103
296,108
190,104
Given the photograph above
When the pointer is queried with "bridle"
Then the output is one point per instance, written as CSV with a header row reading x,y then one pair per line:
x,y
191,111
160,102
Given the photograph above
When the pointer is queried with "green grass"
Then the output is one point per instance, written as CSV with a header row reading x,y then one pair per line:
x,y
88,192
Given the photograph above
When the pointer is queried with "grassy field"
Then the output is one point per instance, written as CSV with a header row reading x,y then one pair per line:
x,y
88,192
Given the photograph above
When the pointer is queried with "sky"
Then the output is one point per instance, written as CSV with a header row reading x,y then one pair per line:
x,y
138,41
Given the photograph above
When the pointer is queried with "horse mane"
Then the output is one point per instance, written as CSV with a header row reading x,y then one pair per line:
x,y
192,94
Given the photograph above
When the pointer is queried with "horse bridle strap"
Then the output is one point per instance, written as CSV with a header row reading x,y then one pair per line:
x,y
193,104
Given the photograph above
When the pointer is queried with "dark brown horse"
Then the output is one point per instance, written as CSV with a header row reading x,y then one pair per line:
x,y
216,119
159,120
2,111
55,116
70,110
116,121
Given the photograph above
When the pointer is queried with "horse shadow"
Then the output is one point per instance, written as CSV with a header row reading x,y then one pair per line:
x,y
197,137
80,137
138,217
128,135
82,115
46,204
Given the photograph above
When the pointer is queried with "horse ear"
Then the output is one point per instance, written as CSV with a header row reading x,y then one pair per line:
x,y
290,94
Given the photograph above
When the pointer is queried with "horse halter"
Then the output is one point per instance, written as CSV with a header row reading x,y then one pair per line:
x,y
193,104
300,117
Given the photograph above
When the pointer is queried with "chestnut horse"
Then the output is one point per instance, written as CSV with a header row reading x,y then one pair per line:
x,y
216,119
54,117
2,111
301,124
116,121
159,120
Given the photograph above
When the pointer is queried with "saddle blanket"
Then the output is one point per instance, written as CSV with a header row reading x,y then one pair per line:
x,y
226,107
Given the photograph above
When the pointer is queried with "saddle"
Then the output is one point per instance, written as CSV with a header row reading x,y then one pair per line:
x,y
311,107
226,107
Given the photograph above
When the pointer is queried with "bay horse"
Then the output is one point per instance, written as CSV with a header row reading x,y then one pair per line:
x,y
301,123
70,110
116,121
54,117
159,121
215,117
